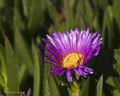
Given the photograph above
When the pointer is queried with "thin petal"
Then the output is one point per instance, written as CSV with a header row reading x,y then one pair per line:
x,y
69,75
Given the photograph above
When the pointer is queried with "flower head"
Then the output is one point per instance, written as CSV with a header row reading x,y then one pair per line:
x,y
71,51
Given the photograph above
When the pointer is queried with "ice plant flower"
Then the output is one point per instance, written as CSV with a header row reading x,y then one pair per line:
x,y
69,52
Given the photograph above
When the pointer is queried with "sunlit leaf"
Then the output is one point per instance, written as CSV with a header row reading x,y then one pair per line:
x,y
2,83
3,63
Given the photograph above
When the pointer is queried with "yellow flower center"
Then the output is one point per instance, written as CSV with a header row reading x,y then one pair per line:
x,y
73,59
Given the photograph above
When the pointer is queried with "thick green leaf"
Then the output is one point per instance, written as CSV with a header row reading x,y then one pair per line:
x,y
116,11
43,4
45,76
3,63
72,2
12,70
69,92
2,83
53,12
103,3
74,87
116,93
0,20
47,93
79,20
113,81
57,27
8,4
23,50
36,85
99,86
84,14
26,7
96,24
22,73
69,15
117,64
1,4
117,55
108,23
80,8
88,14
35,14
85,89
17,20
53,85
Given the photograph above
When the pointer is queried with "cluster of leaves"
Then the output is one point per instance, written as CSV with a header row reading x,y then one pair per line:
x,y
22,25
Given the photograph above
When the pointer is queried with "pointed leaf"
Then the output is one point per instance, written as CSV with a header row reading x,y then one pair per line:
x,y
23,50
96,24
116,93
2,83
99,86
35,14
116,11
53,11
45,76
54,90
85,89
79,20
103,5
117,55
88,14
113,81
22,73
108,23
12,71
36,85
26,7
17,20
47,93
3,63
69,15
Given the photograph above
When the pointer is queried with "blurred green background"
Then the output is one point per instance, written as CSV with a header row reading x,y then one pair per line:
x,y
23,23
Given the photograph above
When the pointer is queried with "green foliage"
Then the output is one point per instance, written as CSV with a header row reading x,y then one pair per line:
x,y
36,71
13,82
99,87
23,24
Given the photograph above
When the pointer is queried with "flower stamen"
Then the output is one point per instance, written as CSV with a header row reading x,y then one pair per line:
x,y
73,59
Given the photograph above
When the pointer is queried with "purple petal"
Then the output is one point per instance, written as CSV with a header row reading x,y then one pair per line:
x,y
88,70
69,75
78,72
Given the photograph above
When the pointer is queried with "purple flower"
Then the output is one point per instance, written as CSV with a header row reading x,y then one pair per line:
x,y
69,52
